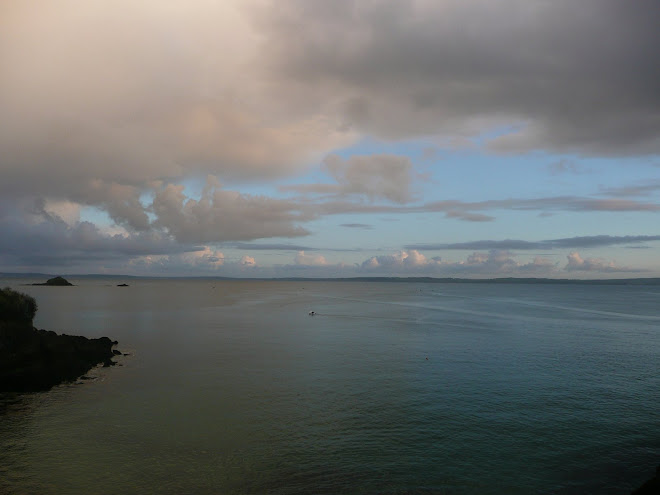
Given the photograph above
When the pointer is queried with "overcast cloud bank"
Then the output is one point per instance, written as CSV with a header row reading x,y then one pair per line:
x,y
111,108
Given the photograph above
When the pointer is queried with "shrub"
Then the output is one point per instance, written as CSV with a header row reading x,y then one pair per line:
x,y
16,305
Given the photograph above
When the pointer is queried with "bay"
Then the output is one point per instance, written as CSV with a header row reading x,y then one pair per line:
x,y
232,387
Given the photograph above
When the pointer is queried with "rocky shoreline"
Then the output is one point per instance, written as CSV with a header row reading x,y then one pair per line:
x,y
32,359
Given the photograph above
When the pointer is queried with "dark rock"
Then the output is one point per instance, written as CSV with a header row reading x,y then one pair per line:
x,y
32,359
57,281
651,487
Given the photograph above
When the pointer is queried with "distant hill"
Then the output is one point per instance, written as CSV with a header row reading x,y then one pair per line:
x,y
431,280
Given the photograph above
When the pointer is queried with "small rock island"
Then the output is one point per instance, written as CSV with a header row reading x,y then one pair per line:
x,y
57,282
33,360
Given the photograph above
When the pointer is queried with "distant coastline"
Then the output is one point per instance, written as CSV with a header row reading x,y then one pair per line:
x,y
434,280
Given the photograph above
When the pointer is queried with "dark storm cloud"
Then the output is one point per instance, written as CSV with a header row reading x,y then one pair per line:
x,y
572,76
50,241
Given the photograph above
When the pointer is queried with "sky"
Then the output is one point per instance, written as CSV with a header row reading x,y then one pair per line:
x,y
307,138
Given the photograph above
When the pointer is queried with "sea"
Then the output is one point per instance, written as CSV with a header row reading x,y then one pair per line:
x,y
232,387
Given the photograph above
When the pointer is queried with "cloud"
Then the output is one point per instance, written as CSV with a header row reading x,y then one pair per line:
x,y
248,261
33,237
538,265
468,216
408,260
362,226
504,245
577,263
492,263
468,211
36,238
377,177
100,99
555,70
309,260
67,211
645,189
204,260
602,240
221,215
116,105
543,204
206,257
270,247
516,244
498,262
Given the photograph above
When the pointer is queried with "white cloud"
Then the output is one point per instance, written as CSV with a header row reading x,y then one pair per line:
x,y
309,259
400,261
206,257
248,261
492,263
577,263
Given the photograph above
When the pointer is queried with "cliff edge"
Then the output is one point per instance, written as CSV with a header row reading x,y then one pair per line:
x,y
32,359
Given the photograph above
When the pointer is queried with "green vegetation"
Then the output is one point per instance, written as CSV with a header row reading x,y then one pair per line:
x,y
16,306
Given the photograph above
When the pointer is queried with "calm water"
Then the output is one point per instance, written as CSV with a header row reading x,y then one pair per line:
x,y
232,388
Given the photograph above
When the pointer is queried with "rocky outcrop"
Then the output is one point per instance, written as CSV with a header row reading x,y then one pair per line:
x,y
56,281
651,487
32,359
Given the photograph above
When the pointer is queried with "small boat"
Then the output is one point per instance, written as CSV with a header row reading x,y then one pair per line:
x,y
312,313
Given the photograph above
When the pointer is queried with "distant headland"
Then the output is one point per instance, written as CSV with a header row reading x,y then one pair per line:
x,y
431,280
32,359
